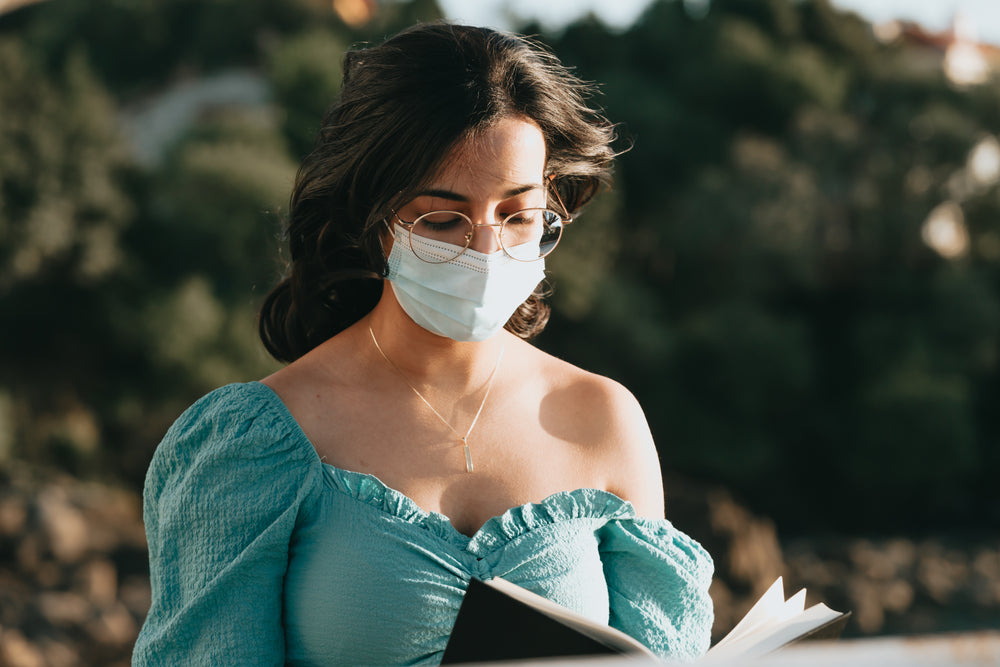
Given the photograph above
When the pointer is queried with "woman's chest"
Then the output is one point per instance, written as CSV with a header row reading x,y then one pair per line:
x,y
513,462
375,580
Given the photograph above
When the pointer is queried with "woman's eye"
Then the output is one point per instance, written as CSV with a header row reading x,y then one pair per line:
x,y
528,217
442,220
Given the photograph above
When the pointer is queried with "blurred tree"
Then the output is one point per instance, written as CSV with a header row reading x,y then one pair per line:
x,y
63,209
129,289
774,303
305,74
136,46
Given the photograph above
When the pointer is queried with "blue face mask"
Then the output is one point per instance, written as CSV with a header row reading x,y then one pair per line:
x,y
469,298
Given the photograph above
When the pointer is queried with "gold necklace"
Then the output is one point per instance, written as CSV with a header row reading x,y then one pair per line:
x,y
463,438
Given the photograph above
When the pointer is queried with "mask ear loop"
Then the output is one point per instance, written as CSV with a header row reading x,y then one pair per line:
x,y
390,228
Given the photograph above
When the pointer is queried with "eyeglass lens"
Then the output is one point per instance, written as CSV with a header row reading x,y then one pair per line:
x,y
526,235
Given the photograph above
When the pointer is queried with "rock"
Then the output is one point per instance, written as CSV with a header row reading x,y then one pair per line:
x,y
29,553
871,560
136,595
940,572
902,586
13,516
114,625
869,615
897,595
60,593
901,554
63,524
97,580
986,576
64,609
17,651
49,574
58,653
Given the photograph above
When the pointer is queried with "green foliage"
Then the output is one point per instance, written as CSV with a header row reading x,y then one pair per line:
x,y
63,215
775,306
138,44
129,288
305,74
215,203
56,218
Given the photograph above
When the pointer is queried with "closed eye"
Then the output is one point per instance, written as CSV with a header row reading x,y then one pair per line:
x,y
531,216
442,220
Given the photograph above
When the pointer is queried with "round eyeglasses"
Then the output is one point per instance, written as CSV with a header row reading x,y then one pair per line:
x,y
526,235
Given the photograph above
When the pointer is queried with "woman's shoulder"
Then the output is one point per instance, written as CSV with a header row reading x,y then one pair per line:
x,y
607,417
598,398
242,422
232,409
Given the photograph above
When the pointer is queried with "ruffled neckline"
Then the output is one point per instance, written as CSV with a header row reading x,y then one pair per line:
x,y
498,531
560,507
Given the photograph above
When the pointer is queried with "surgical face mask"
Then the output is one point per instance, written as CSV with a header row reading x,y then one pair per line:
x,y
469,298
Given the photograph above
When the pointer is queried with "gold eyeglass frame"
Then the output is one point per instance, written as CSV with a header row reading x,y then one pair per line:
x,y
564,219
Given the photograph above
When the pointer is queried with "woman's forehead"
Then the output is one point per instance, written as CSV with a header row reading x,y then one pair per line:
x,y
507,157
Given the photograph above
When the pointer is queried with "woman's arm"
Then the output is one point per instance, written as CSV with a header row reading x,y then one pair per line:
x,y
634,463
222,497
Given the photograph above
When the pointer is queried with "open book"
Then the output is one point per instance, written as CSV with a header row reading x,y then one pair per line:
x,y
499,620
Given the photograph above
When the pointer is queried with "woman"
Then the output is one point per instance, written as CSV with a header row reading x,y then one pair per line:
x,y
335,512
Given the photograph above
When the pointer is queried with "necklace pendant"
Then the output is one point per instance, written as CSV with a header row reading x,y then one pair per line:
x,y
468,456
482,404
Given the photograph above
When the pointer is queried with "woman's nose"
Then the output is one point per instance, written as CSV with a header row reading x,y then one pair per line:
x,y
486,239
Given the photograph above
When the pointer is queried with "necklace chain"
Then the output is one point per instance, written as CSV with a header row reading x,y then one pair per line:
x,y
462,438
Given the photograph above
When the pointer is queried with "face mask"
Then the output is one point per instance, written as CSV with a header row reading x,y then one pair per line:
x,y
469,298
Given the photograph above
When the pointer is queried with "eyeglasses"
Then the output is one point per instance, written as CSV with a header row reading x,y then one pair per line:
x,y
526,235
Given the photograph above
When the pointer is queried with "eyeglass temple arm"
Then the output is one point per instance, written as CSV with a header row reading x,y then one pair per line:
x,y
552,186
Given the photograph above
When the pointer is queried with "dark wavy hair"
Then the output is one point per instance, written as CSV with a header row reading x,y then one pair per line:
x,y
403,106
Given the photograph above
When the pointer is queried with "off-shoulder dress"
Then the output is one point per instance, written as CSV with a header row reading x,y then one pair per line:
x,y
262,554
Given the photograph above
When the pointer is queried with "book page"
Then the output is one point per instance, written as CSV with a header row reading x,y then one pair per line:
x,y
774,636
770,606
771,623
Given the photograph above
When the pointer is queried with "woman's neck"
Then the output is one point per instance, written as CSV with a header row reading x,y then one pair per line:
x,y
423,357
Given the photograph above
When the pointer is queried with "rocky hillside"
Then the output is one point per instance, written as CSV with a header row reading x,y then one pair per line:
x,y
74,586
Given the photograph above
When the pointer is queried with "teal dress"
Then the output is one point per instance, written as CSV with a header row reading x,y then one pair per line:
x,y
261,554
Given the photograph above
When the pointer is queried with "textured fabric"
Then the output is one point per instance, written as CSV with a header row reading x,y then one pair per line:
x,y
260,554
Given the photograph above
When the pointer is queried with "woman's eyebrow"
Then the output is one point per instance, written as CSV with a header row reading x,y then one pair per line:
x,y
454,196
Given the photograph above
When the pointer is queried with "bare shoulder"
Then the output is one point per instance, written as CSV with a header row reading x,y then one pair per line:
x,y
607,420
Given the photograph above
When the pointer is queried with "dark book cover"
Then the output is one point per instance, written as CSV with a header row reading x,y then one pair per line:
x,y
491,625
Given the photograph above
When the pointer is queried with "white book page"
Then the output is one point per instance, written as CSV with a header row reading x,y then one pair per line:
x,y
771,637
771,623
769,606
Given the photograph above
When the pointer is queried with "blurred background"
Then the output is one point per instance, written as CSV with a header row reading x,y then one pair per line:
x,y
796,273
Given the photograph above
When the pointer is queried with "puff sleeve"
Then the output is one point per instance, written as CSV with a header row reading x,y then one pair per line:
x,y
658,581
223,494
